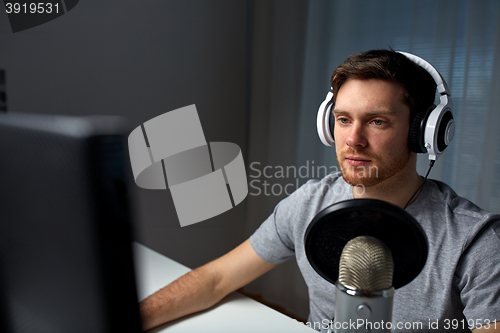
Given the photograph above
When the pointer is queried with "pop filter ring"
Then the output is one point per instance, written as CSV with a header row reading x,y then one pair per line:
x,y
334,226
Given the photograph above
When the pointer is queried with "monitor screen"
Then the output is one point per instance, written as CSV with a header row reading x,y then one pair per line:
x,y
65,226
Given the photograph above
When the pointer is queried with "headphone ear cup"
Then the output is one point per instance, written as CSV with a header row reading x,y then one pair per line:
x,y
331,120
446,131
417,129
323,121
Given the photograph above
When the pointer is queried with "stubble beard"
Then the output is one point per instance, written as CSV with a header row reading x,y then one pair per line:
x,y
375,173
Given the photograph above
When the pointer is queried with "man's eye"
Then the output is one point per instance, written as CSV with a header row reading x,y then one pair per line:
x,y
378,122
343,120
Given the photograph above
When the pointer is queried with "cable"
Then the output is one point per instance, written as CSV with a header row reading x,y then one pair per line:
x,y
431,164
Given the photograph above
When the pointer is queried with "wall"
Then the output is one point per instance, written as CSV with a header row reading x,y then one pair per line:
x,y
139,59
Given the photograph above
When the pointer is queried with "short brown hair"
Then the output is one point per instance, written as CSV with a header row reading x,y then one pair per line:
x,y
419,86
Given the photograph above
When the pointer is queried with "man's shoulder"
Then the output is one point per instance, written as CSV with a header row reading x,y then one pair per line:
x,y
451,201
331,178
444,213
313,196
332,187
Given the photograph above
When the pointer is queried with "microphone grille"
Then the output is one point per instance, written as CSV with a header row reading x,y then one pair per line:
x,y
366,264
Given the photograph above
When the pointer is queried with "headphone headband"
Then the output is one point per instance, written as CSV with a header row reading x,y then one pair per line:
x,y
442,86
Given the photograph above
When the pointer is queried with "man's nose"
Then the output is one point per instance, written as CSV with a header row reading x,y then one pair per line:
x,y
356,138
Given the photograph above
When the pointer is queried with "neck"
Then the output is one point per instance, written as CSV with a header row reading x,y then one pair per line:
x,y
397,189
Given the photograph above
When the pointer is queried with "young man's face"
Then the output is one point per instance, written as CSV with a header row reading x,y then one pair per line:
x,y
371,131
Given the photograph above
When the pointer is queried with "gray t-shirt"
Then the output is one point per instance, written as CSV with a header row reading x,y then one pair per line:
x,y
459,285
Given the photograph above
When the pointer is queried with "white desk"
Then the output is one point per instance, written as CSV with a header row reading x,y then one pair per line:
x,y
235,313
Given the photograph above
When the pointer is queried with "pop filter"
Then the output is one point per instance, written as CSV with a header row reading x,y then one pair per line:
x,y
337,224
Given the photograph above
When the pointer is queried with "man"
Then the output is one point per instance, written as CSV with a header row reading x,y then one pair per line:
x,y
376,95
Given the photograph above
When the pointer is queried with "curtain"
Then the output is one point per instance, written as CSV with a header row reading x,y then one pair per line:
x,y
296,45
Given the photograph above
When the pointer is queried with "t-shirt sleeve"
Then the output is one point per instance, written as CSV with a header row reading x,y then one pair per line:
x,y
272,240
275,240
478,275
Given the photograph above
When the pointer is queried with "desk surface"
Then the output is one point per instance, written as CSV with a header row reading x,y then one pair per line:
x,y
235,313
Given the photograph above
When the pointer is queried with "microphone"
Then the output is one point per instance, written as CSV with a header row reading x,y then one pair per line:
x,y
364,291
367,248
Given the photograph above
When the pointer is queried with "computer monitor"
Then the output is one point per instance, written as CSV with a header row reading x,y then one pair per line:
x,y
65,226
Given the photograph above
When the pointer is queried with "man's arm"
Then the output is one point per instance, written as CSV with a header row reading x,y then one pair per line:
x,y
204,286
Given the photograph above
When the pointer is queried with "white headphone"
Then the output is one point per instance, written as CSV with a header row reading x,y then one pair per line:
x,y
430,132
